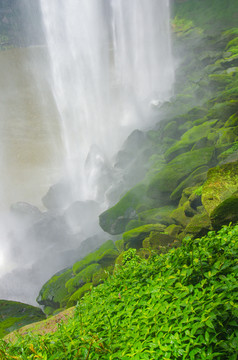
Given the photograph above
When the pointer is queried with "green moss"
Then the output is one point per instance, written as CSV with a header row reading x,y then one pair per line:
x,y
14,315
226,212
158,215
222,182
134,224
102,275
115,219
135,237
212,15
198,176
94,257
199,225
155,240
83,277
120,245
169,178
227,135
189,138
179,217
79,294
232,121
53,291
108,257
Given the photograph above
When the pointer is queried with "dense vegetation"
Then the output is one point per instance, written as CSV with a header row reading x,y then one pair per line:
x,y
177,305
160,304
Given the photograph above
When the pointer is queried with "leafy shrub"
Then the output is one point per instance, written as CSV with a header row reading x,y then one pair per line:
x,y
180,305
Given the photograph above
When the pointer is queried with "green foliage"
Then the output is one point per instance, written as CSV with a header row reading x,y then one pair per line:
x,y
83,277
53,292
181,305
135,237
14,315
94,257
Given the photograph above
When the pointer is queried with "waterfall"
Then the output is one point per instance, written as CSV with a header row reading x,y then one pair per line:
x,y
109,61
67,108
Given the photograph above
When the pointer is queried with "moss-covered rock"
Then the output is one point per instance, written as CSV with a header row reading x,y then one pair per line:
x,y
79,294
115,219
155,240
179,217
158,215
189,138
166,181
173,230
119,245
226,212
199,225
14,315
135,237
222,183
197,177
100,276
83,277
102,255
53,291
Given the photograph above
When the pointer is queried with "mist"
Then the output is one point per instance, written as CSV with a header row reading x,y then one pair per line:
x,y
80,78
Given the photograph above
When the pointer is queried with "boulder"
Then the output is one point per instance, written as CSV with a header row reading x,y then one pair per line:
x,y
58,197
166,181
134,238
15,315
115,219
226,212
199,225
83,277
53,292
105,255
221,184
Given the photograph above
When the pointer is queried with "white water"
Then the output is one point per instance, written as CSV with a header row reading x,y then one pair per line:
x,y
109,61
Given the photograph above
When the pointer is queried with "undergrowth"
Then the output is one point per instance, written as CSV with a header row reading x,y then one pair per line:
x,y
178,305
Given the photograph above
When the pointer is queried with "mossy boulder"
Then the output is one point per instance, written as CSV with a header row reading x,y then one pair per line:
x,y
173,230
120,245
157,215
100,276
189,138
77,295
199,225
221,184
104,255
179,217
134,238
197,177
53,291
155,240
115,219
166,181
14,315
83,277
226,212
